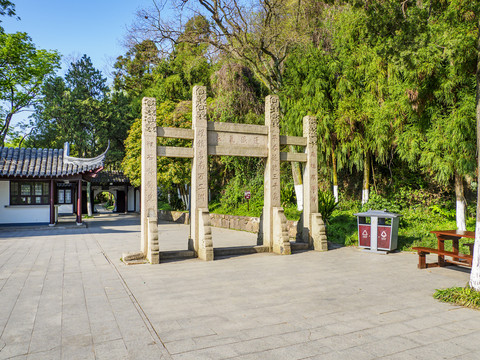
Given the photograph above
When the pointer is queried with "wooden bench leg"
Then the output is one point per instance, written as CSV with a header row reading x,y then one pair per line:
x,y
441,260
422,260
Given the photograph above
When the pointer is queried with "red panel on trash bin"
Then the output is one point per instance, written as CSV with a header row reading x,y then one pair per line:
x,y
383,237
364,235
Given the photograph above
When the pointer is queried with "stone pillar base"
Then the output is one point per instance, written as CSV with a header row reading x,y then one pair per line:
x,y
205,244
153,253
281,243
205,254
319,233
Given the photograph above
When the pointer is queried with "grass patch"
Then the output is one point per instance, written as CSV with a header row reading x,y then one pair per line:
x,y
466,296
164,206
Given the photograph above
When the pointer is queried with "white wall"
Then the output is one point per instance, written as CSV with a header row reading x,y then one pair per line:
x,y
65,209
131,199
20,214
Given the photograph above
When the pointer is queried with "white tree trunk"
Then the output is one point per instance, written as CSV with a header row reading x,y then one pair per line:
x,y
364,196
475,273
299,196
366,177
297,181
335,192
461,204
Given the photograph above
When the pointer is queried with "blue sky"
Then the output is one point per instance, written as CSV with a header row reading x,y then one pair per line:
x,y
77,27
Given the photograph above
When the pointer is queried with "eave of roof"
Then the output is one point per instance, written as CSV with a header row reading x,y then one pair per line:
x,y
45,163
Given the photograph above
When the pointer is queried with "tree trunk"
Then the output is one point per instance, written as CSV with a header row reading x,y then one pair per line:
x,y
4,131
297,182
335,177
461,204
89,199
475,273
366,177
184,195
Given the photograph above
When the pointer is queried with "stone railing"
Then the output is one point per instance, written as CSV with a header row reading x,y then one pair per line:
x,y
244,223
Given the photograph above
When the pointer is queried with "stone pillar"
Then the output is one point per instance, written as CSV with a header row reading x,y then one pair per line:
x,y
272,168
199,198
310,178
148,196
79,202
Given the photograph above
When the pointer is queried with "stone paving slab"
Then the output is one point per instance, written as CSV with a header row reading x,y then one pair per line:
x,y
65,294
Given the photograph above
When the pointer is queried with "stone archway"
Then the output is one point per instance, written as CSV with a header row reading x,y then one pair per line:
x,y
214,138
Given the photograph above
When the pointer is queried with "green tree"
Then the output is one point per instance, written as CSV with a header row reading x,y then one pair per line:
x,y
81,109
134,71
23,69
7,8
439,68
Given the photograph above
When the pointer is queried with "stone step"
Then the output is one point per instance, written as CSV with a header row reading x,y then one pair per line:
x,y
239,250
176,254
298,246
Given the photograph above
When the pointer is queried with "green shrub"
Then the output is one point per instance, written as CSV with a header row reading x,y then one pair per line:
x,y
445,211
164,206
378,202
342,228
326,205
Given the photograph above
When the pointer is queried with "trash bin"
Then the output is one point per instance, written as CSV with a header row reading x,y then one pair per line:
x,y
378,230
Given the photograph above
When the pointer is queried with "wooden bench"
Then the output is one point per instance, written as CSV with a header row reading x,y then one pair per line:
x,y
457,258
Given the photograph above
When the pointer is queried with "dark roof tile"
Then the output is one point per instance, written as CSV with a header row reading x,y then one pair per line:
x,y
15,162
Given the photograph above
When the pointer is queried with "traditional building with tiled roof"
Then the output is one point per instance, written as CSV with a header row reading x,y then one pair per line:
x,y
36,183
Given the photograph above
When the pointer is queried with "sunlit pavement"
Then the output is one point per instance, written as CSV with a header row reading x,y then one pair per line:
x,y
64,293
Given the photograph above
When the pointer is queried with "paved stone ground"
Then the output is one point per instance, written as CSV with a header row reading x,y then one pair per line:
x,y
64,294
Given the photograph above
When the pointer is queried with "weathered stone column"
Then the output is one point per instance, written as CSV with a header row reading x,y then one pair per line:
x,y
199,198
310,178
149,177
272,168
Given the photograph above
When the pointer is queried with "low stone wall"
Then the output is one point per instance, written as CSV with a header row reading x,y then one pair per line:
x,y
174,216
244,223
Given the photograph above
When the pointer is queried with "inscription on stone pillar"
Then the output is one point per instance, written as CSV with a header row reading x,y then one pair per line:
x,y
199,171
310,177
272,167
149,176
